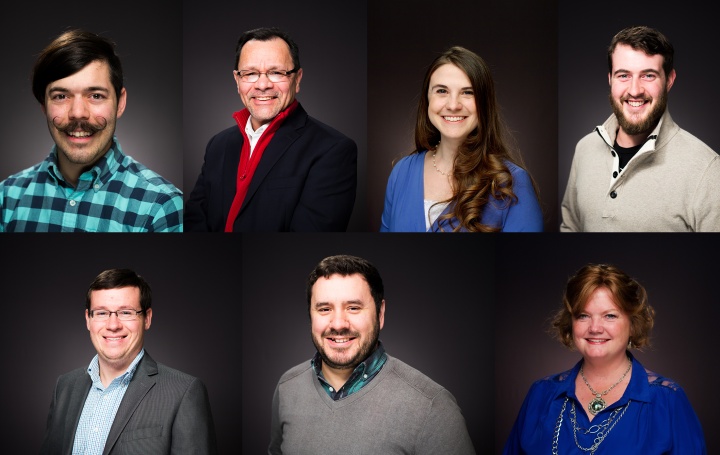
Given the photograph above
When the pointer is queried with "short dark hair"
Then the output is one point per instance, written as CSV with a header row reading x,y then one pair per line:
x,y
121,278
346,265
266,34
629,295
646,39
69,53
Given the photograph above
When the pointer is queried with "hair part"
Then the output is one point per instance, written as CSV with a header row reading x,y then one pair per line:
x,y
71,52
645,39
267,34
345,265
629,296
121,278
480,172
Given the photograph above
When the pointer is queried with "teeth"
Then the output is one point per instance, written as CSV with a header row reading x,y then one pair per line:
x,y
79,134
453,119
340,340
636,103
263,98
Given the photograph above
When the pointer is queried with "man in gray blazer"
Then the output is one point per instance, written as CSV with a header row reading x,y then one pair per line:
x,y
124,402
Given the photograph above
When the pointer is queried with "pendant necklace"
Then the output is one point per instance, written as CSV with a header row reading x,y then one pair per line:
x,y
597,404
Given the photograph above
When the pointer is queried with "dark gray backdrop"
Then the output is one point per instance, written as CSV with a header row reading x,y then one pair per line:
x,y
585,31
438,316
518,40
196,300
333,53
149,42
675,270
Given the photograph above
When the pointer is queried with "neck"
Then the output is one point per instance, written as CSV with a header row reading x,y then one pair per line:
x,y
108,372
605,369
337,377
631,140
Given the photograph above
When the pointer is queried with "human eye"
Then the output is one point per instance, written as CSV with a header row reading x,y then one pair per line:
x,y
100,313
323,310
468,92
650,76
97,96
126,313
58,96
581,316
611,316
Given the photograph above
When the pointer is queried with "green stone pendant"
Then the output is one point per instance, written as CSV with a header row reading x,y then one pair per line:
x,y
596,405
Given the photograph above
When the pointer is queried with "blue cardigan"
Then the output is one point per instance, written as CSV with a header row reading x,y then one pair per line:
x,y
659,419
405,212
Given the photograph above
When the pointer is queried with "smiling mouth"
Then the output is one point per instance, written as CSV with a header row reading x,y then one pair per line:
x,y
453,118
115,338
79,133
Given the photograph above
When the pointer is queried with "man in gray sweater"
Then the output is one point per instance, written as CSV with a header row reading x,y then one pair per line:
x,y
353,398
640,171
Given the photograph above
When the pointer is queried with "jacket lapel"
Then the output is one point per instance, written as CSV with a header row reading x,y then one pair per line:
x,y
76,403
143,380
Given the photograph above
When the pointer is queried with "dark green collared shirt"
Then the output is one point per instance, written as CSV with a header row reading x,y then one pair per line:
x,y
361,375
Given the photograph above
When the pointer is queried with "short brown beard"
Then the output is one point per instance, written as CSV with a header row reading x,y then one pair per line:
x,y
644,126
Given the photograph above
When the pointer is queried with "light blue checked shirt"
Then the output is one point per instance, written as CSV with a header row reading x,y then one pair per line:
x,y
118,194
100,408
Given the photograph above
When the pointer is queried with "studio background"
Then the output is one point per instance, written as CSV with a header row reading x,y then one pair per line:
x,y
518,41
681,286
148,37
439,304
44,278
585,32
332,38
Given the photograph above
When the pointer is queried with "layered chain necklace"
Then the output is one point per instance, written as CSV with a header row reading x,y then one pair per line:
x,y
600,430
597,404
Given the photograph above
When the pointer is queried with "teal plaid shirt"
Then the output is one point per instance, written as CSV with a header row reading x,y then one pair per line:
x,y
361,375
118,194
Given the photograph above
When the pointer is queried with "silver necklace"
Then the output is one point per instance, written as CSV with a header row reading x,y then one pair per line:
x,y
436,168
600,430
597,404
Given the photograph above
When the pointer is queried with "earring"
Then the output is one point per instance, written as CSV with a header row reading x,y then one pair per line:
x,y
630,345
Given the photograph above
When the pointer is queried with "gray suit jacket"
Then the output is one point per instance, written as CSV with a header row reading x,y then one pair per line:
x,y
163,411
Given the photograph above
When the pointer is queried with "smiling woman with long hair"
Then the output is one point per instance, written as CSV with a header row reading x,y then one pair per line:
x,y
461,175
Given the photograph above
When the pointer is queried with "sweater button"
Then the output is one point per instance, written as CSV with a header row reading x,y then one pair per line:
x,y
615,174
613,153
613,194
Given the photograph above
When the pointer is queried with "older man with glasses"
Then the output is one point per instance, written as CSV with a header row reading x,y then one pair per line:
x,y
278,169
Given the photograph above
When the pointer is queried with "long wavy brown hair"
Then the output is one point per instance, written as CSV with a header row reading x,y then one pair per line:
x,y
480,174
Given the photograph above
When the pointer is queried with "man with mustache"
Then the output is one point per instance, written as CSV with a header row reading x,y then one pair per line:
x,y
640,171
352,397
87,183
278,169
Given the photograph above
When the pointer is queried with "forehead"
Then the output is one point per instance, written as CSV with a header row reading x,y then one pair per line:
x,y
601,299
95,74
449,75
625,57
274,52
115,298
338,288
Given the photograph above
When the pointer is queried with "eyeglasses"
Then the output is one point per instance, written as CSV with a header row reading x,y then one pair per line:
x,y
123,315
272,75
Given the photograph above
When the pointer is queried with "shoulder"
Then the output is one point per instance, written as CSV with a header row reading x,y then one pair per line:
x,y
409,162
72,376
519,174
414,380
694,147
656,380
147,179
24,177
294,372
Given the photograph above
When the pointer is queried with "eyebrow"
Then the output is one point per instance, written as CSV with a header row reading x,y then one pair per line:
x,y
645,71
88,89
346,302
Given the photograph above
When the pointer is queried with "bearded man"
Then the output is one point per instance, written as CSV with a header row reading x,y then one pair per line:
x,y
352,397
640,171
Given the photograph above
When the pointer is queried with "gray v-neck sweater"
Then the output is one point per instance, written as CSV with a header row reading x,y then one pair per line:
x,y
401,411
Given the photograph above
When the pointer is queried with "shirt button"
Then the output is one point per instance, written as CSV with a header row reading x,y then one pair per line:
x,y
615,174
613,195
365,376
97,186
72,203
330,389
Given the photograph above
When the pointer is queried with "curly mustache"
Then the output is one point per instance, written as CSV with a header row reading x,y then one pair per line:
x,y
80,125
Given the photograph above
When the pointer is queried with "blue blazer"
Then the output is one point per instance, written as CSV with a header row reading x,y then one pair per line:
x,y
163,411
404,209
305,181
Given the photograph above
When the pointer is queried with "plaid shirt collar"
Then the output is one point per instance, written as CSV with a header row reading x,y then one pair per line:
x,y
100,173
361,375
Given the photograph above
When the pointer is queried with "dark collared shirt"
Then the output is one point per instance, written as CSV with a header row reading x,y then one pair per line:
x,y
361,375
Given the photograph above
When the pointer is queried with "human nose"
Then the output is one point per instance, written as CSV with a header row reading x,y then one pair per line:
x,y
113,322
339,321
78,108
453,103
636,87
263,81
596,325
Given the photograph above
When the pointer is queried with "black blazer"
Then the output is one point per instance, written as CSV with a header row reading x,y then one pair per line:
x,y
305,181
163,411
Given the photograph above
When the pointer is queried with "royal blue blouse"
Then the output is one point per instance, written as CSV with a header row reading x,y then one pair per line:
x,y
653,417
